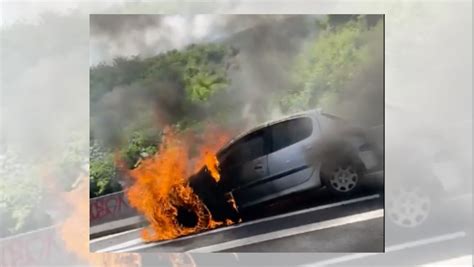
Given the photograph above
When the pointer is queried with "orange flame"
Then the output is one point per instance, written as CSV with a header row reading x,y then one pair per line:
x,y
161,190
212,165
75,232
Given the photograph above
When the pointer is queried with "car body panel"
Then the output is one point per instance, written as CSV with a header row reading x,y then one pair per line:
x,y
283,168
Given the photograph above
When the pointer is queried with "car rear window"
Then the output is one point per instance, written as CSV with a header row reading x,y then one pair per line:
x,y
290,132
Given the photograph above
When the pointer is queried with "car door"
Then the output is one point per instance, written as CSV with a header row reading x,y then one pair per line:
x,y
287,162
243,166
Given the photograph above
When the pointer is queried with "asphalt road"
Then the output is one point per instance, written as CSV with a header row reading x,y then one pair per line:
x,y
317,223
444,240
327,224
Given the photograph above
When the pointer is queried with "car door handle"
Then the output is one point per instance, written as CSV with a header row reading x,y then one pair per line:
x,y
258,167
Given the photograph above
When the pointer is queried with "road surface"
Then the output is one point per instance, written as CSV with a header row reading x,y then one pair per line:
x,y
323,224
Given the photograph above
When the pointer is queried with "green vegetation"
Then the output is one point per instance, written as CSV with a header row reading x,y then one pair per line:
x,y
183,87
329,62
20,194
25,182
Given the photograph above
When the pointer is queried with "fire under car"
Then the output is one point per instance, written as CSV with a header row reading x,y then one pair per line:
x,y
290,156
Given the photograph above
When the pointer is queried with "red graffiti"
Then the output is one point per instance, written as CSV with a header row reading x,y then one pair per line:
x,y
32,249
107,206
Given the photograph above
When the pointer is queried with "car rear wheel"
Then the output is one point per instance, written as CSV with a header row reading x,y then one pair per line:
x,y
343,179
409,206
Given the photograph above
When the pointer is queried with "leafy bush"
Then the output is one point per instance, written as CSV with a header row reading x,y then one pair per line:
x,y
328,63
103,172
20,194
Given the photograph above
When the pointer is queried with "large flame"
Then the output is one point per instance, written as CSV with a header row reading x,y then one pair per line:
x,y
75,232
160,189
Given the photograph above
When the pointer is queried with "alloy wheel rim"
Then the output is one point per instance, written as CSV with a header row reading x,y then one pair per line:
x,y
409,207
344,179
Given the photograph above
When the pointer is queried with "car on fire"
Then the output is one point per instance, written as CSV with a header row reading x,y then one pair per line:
x,y
289,156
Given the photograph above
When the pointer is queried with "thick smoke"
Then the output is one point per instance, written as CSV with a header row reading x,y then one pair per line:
x,y
267,51
266,54
362,98
44,125
161,102
265,47
147,35
125,35
119,26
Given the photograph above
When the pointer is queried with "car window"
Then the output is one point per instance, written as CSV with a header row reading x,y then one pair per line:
x,y
289,132
248,148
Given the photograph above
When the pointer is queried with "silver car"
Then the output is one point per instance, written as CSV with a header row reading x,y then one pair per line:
x,y
289,156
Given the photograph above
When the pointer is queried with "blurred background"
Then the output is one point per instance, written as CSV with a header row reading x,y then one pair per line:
x,y
47,49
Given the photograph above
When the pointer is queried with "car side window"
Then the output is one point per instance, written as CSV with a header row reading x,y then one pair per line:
x,y
290,132
248,148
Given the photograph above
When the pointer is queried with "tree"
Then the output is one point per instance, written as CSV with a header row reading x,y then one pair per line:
x,y
328,63
20,193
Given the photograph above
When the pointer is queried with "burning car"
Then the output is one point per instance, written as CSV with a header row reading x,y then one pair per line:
x,y
293,155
